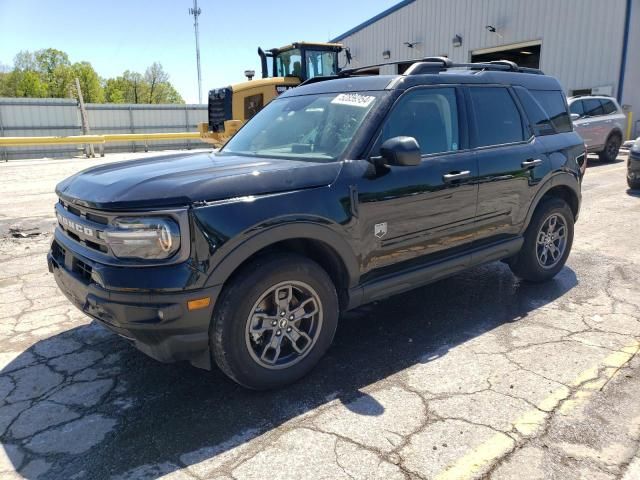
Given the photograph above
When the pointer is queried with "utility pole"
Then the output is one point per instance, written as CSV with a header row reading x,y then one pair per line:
x,y
195,11
89,152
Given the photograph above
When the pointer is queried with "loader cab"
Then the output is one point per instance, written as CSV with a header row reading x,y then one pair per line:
x,y
301,60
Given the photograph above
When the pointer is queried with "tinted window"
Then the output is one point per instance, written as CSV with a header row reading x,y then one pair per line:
x,y
537,116
496,116
593,108
608,106
577,107
430,116
554,104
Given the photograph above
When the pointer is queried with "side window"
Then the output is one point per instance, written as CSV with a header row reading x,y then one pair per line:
x,y
577,107
593,108
497,118
429,115
538,118
609,107
554,104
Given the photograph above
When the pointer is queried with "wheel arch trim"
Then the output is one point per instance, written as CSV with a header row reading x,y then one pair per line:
x,y
560,179
290,231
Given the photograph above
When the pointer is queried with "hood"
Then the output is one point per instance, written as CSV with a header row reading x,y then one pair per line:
x,y
176,180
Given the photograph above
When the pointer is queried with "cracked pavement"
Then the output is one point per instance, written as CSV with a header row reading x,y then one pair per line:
x,y
476,376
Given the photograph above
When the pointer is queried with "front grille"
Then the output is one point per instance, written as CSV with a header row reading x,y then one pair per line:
x,y
86,226
219,108
97,218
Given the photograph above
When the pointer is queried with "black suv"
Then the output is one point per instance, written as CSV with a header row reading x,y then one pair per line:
x,y
338,193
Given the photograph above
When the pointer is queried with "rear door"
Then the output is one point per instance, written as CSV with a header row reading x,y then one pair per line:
x,y
508,161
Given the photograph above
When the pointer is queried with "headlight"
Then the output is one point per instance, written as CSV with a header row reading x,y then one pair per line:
x,y
151,238
635,148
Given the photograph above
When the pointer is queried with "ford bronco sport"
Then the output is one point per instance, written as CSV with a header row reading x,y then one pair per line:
x,y
338,193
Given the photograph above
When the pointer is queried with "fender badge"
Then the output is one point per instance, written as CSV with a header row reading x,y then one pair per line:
x,y
380,229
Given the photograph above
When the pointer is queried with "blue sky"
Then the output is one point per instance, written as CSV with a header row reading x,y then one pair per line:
x,y
118,35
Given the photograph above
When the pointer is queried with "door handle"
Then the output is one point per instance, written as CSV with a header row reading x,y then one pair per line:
x,y
531,163
453,176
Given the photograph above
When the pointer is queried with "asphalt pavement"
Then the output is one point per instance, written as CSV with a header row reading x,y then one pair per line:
x,y
476,376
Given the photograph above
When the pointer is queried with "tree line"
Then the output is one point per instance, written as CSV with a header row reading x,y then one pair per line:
x,y
49,73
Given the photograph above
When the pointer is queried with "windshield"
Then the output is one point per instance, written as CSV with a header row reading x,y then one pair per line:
x,y
310,127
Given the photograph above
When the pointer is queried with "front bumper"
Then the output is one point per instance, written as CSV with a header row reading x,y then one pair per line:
x,y
159,324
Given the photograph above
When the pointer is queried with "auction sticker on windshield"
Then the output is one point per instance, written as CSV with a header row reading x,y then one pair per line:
x,y
353,99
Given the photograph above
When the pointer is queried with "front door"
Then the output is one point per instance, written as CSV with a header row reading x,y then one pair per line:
x,y
410,213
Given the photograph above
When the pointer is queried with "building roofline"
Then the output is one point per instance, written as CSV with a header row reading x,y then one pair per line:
x,y
366,23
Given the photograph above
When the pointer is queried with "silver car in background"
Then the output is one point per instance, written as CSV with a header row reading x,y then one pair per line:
x,y
599,120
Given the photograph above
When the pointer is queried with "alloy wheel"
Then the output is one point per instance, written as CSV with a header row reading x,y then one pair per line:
x,y
551,241
283,325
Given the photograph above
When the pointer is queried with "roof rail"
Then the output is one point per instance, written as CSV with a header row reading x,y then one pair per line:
x,y
512,65
348,71
592,95
439,64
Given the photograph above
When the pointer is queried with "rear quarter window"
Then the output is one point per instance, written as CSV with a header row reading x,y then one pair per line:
x,y
538,118
554,104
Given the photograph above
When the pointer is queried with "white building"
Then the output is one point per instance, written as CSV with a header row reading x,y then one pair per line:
x,y
591,46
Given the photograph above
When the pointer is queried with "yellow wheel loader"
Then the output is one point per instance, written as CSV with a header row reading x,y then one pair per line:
x,y
282,69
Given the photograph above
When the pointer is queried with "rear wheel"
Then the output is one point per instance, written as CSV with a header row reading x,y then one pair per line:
x,y
611,149
274,321
633,184
547,242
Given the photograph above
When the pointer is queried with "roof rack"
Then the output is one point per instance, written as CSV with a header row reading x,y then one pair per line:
x,y
440,64
592,95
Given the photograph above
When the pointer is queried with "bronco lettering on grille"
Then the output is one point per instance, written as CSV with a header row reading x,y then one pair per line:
x,y
77,227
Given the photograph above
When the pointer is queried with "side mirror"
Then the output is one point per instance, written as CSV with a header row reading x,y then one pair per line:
x,y
400,151
574,117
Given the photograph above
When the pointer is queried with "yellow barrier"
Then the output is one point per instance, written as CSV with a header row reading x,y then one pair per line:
x,y
96,139
72,140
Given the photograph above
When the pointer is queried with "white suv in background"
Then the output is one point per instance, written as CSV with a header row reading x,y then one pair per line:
x,y
600,122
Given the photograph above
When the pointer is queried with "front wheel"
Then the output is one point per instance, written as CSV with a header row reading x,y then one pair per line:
x,y
274,321
547,242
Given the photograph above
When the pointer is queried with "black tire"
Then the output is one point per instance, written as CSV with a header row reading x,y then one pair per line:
x,y
232,343
527,264
633,184
611,148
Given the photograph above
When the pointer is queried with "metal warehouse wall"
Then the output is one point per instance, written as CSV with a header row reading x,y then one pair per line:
x,y
631,89
581,39
28,117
